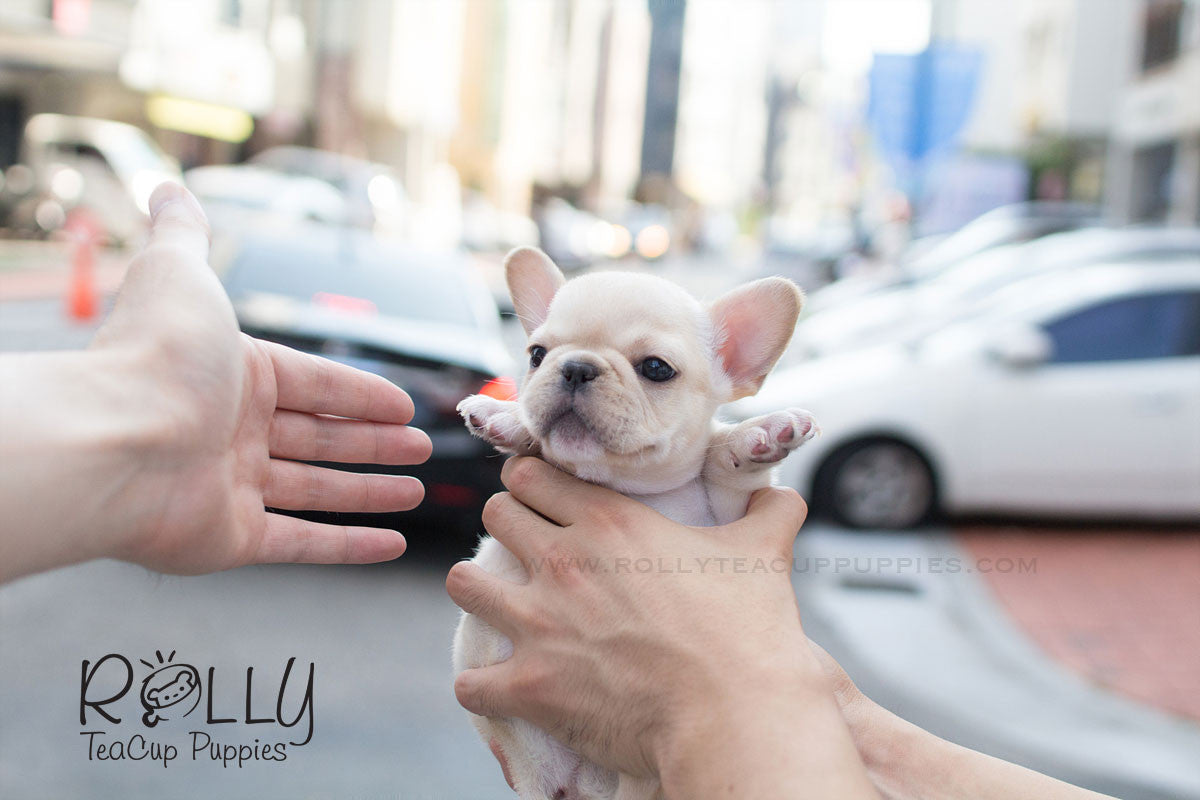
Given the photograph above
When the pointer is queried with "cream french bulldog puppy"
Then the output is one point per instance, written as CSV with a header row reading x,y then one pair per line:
x,y
625,374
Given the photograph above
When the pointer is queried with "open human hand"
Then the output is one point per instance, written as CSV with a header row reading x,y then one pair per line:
x,y
233,417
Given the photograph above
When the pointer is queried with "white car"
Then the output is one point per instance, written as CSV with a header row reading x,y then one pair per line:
x,y
1000,227
243,198
915,306
1072,393
106,167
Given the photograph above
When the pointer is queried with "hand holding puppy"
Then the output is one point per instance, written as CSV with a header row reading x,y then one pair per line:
x,y
650,670
626,372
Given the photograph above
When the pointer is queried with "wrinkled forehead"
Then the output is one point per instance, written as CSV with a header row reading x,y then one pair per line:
x,y
629,312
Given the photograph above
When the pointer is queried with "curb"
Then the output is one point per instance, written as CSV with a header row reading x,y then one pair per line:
x,y
938,650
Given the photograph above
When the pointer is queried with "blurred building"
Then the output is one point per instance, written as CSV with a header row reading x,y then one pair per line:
x,y
1049,86
52,61
195,71
662,88
552,94
1154,163
722,122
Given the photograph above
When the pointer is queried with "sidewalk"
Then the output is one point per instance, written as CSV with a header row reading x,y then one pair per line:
x,y
31,270
34,278
1119,606
929,641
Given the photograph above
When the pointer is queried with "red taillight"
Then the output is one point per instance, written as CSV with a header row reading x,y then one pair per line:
x,y
450,494
502,388
345,303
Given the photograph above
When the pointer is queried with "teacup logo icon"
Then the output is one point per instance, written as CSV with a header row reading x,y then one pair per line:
x,y
169,692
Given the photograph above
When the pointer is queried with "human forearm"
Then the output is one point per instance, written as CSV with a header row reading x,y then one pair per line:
x,y
764,738
905,763
74,444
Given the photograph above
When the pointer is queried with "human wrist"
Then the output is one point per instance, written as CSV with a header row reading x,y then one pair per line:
x,y
145,441
739,711
902,760
81,419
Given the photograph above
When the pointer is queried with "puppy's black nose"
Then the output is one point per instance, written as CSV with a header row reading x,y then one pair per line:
x,y
577,373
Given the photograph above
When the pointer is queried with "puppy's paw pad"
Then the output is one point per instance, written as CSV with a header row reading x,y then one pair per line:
x,y
767,439
495,421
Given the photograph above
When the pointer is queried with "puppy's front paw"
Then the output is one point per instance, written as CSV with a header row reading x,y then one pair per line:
x,y
767,439
497,423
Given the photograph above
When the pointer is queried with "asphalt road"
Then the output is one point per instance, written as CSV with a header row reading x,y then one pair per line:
x,y
385,721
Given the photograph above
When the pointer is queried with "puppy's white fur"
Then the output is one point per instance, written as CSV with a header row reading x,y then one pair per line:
x,y
654,441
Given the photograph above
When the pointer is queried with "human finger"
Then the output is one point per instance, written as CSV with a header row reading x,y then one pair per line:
x,y
302,487
478,592
290,540
486,691
177,219
319,386
773,517
556,495
313,437
516,526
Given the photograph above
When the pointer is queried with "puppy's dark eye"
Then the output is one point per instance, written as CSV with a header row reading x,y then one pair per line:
x,y
536,354
656,369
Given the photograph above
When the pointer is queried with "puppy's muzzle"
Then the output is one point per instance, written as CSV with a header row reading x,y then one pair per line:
x,y
576,374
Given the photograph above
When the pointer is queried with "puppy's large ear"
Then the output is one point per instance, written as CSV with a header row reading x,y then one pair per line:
x,y
753,325
532,281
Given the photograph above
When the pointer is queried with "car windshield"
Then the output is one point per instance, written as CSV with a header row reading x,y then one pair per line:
x,y
974,238
369,280
130,151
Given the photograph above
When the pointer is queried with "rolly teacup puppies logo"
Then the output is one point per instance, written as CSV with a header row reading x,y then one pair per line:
x,y
167,692
172,691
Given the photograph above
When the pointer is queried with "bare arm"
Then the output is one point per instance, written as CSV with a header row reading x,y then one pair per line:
x,y
164,441
906,762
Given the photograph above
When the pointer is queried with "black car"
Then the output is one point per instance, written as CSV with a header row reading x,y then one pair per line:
x,y
421,320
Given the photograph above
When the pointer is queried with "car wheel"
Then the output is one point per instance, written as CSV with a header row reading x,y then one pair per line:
x,y
877,484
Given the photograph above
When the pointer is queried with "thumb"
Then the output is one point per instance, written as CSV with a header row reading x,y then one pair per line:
x,y
177,219
169,287
773,517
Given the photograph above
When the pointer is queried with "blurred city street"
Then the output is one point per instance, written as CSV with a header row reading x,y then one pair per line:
x,y
992,208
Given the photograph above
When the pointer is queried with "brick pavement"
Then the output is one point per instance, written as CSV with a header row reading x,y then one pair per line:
x,y
1119,605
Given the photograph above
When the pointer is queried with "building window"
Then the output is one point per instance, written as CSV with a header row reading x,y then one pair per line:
x,y
231,12
1152,170
1160,44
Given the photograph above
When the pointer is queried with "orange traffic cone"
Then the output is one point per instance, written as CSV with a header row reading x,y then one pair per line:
x,y
81,292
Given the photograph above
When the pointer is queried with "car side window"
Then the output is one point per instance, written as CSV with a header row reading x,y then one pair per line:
x,y
1163,325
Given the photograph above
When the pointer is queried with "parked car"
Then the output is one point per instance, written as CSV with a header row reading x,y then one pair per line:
x,y
243,197
900,311
810,259
487,229
1069,393
103,168
650,231
567,233
1006,225
414,317
373,194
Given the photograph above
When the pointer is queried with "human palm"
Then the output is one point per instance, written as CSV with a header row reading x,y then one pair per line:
x,y
240,415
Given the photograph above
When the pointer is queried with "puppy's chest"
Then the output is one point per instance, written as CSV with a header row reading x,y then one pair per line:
x,y
690,504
